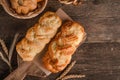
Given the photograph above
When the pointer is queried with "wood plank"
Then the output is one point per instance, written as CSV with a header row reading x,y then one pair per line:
x,y
98,61
99,58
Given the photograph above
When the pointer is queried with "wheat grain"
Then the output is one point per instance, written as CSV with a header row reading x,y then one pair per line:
x,y
69,67
4,47
72,76
5,60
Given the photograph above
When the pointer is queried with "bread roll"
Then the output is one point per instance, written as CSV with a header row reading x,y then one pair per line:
x,y
38,36
61,49
24,6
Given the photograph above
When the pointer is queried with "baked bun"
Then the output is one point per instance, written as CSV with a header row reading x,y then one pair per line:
x,y
24,6
38,36
61,49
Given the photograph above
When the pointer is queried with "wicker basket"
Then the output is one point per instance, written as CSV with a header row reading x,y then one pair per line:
x,y
7,7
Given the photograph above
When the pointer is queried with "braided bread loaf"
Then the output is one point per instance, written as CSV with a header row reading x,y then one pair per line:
x,y
61,49
38,36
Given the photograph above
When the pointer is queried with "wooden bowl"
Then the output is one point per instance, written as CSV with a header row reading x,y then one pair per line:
x,y
7,7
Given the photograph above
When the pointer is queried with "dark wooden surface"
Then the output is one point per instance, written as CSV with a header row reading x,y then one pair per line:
x,y
98,58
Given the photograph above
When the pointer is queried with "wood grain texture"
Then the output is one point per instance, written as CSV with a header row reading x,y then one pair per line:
x,y
98,61
101,21
98,58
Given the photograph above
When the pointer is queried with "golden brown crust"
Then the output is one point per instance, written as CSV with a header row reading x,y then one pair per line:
x,y
61,49
52,64
24,6
27,49
39,0
38,36
44,29
49,19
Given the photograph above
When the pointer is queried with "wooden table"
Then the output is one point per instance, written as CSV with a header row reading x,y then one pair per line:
x,y
98,58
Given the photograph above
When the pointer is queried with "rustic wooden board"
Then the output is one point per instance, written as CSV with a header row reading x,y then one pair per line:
x,y
99,57
98,61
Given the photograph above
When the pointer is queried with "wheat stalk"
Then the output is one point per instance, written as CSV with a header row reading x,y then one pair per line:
x,y
4,47
5,60
9,54
72,76
67,70
13,46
